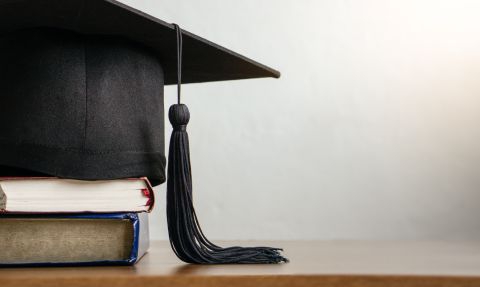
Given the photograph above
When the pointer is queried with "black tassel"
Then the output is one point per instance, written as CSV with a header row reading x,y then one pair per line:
x,y
186,236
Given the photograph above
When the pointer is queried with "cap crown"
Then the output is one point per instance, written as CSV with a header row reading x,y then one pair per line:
x,y
80,106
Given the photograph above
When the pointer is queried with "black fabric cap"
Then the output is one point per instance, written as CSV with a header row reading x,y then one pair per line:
x,y
78,106
204,61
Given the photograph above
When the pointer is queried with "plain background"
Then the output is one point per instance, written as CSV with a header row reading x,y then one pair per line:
x,y
371,133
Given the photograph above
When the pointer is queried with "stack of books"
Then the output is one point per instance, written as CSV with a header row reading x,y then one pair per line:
x,y
52,221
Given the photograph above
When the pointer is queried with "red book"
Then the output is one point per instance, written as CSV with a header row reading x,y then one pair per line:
x,y
55,195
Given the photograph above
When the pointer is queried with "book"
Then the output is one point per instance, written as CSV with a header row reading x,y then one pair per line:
x,y
73,239
55,195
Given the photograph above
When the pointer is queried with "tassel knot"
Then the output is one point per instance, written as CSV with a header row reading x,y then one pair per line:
x,y
179,116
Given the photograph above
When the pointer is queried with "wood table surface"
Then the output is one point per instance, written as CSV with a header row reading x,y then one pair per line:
x,y
312,263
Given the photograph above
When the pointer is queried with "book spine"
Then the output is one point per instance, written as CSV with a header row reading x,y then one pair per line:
x,y
151,195
143,235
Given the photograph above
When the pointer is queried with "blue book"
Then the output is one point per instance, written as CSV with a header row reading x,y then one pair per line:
x,y
73,239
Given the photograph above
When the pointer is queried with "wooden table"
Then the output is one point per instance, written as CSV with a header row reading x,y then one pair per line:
x,y
325,263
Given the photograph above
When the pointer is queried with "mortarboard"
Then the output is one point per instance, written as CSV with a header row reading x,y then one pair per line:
x,y
81,86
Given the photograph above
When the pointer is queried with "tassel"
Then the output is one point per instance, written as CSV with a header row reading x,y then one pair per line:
x,y
186,236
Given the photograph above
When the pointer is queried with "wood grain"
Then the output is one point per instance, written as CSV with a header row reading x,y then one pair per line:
x,y
317,263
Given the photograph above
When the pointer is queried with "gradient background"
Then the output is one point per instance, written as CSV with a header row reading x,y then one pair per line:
x,y
371,133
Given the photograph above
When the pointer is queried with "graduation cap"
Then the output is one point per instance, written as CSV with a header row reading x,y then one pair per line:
x,y
81,84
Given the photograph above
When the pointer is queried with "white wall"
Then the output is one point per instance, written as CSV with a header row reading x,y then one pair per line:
x,y
372,132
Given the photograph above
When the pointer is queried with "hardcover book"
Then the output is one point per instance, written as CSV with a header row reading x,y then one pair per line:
x,y
73,239
55,195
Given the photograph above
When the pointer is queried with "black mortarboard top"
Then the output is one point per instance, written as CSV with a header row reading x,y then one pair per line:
x,y
204,61
81,96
